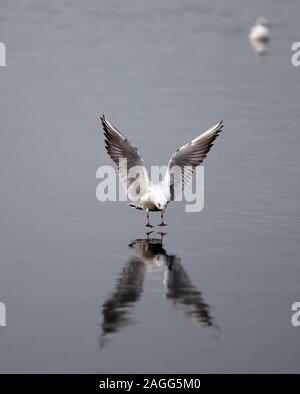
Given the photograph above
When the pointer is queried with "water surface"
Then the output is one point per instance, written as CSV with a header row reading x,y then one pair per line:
x,y
85,289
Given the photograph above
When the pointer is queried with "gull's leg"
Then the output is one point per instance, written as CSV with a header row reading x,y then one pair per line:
x,y
162,224
148,223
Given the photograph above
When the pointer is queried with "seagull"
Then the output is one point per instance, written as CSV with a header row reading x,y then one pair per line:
x,y
155,197
260,31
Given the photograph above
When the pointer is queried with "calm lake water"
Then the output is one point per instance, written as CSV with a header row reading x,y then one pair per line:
x,y
84,288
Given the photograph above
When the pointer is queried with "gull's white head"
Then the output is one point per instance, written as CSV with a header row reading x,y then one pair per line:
x,y
262,21
161,203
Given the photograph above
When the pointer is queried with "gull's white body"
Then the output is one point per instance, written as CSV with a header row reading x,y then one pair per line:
x,y
153,196
139,188
260,31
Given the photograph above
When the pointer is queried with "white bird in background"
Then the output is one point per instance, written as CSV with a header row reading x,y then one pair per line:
x,y
181,165
259,35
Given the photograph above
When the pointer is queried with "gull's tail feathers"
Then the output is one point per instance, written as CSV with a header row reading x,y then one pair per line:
x,y
135,206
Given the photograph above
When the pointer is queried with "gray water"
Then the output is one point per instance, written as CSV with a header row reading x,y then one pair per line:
x,y
85,291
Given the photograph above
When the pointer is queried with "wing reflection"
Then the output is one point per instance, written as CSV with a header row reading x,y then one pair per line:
x,y
116,310
181,291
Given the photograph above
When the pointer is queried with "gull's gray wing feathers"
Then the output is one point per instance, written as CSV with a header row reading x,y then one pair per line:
x,y
127,159
186,158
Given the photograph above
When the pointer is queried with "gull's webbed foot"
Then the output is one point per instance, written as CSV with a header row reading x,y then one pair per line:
x,y
148,223
162,224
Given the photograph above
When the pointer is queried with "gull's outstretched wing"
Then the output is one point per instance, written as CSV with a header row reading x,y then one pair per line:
x,y
130,164
186,158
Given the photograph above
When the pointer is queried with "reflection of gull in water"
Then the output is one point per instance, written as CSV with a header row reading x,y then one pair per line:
x,y
259,35
259,47
178,286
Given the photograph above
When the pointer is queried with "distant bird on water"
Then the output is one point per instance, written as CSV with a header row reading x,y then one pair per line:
x,y
259,35
155,197
260,31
